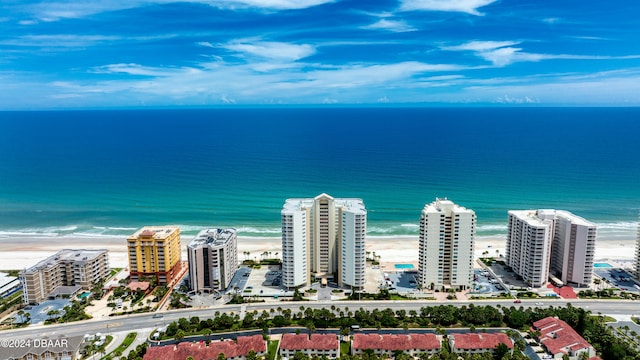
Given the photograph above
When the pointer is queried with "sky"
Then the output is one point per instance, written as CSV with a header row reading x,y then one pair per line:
x,y
69,54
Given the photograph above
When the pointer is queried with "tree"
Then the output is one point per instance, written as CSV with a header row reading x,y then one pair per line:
x,y
179,335
252,355
500,351
221,356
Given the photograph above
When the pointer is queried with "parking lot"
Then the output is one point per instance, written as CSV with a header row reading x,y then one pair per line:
x,y
618,278
401,281
39,312
485,283
265,282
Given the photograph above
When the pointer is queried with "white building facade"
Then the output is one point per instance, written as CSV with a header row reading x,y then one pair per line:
x,y
213,259
637,269
446,247
323,237
529,238
547,242
573,249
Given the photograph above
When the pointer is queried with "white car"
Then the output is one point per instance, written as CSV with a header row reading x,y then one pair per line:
x,y
539,304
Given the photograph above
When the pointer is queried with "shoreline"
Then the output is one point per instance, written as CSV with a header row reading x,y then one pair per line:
x,y
24,251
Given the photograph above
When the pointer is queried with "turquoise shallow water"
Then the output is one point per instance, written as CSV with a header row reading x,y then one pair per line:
x,y
104,173
602,265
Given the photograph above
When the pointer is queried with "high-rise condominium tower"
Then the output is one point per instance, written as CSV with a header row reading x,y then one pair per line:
x,y
213,259
637,270
447,233
323,237
154,251
544,242
529,240
573,248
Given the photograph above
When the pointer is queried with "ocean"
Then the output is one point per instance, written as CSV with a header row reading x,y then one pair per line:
x,y
105,173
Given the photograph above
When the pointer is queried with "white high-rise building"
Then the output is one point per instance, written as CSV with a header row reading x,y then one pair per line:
x,y
447,234
551,242
637,270
529,240
323,237
573,249
213,259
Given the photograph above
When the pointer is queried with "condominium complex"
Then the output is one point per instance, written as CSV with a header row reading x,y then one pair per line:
x,y
213,259
154,251
637,269
529,240
541,243
573,249
447,233
323,237
64,274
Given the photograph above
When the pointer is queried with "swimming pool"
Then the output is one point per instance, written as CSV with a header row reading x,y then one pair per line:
x,y
602,265
403,266
84,295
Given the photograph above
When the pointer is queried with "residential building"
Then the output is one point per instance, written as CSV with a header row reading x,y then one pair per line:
x,y
8,285
478,342
389,344
64,274
573,249
323,238
154,252
561,339
213,259
529,238
637,267
544,243
46,348
311,345
447,233
232,349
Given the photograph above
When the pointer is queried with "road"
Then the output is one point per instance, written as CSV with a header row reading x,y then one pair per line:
x,y
135,322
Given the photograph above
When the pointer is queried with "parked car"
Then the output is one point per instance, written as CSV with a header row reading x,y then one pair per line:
x,y
517,301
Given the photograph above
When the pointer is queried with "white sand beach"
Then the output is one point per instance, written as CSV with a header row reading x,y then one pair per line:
x,y
24,251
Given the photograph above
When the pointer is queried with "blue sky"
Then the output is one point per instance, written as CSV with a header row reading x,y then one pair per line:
x,y
149,53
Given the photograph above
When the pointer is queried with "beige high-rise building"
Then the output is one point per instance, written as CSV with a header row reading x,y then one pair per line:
x,y
548,242
323,237
447,236
573,249
154,251
213,259
64,273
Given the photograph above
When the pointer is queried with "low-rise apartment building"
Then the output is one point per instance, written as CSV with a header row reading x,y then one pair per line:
x,y
478,343
388,344
561,339
232,349
310,345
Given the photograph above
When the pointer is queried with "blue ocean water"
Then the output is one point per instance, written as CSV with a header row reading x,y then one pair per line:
x,y
109,172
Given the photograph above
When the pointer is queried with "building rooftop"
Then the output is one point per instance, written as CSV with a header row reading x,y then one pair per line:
x,y
296,204
66,255
54,345
533,217
445,206
395,342
473,341
304,342
213,237
200,350
558,337
157,232
135,285
575,219
5,279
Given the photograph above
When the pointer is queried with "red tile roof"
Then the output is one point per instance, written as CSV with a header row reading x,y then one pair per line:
x,y
558,337
200,350
395,342
135,285
303,342
473,341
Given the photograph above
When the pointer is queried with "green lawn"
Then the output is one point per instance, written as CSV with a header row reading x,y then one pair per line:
x,y
271,350
122,347
344,348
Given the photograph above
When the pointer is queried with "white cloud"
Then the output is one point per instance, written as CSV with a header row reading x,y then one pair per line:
x,y
383,100
329,101
506,99
551,20
390,25
465,6
502,53
56,10
27,22
271,50
205,44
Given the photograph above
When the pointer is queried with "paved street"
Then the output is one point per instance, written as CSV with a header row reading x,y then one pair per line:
x,y
620,309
